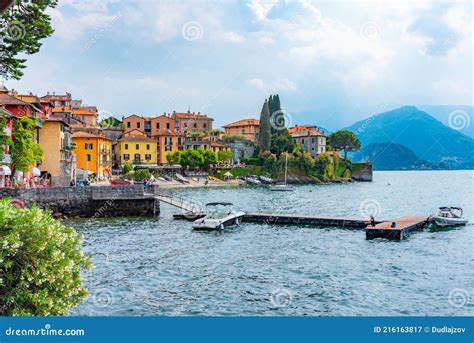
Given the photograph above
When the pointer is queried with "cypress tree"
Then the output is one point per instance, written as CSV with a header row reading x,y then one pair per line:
x,y
264,138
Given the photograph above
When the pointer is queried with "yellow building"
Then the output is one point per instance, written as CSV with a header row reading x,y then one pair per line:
x,y
137,149
94,153
58,163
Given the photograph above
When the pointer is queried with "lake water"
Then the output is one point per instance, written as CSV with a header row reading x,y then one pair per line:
x,y
160,266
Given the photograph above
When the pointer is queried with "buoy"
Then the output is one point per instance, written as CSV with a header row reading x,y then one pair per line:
x,y
17,203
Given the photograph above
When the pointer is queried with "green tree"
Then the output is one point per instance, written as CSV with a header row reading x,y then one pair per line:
x,y
321,165
344,140
264,138
4,139
23,25
174,157
282,141
191,158
224,155
209,157
40,263
303,160
25,151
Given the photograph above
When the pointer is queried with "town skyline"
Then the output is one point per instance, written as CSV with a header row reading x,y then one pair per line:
x,y
213,61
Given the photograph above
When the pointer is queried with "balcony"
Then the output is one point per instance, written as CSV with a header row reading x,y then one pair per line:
x,y
137,161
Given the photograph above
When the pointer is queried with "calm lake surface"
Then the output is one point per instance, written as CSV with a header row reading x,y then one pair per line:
x,y
160,266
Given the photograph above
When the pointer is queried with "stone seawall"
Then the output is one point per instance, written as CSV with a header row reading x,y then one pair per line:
x,y
88,201
362,171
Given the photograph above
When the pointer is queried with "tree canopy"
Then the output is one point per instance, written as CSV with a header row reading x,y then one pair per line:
x,y
23,24
344,140
25,151
264,138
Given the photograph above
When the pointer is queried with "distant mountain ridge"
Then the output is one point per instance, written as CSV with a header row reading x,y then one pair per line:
x,y
391,156
418,131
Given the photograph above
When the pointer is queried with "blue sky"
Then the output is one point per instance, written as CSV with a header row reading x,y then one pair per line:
x,y
224,58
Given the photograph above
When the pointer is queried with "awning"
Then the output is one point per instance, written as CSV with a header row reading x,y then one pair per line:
x,y
36,171
5,171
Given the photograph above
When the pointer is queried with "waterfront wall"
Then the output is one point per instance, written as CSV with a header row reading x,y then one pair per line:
x,y
88,201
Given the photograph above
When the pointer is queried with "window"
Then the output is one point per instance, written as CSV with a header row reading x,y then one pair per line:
x,y
88,146
147,157
204,125
137,146
129,124
195,125
302,141
185,124
88,157
148,146
157,125
167,125
179,140
243,131
138,125
312,140
167,148
126,146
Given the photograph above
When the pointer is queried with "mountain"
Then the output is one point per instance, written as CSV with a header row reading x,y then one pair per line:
x,y
463,113
427,137
390,156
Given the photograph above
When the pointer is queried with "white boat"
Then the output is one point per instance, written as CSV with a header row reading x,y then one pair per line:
x,y
448,216
283,187
266,179
221,217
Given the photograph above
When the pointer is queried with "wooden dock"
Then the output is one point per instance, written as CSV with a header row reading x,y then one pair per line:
x,y
396,229
298,219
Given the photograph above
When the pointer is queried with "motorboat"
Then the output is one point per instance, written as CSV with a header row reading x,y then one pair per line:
x,y
448,216
219,216
283,187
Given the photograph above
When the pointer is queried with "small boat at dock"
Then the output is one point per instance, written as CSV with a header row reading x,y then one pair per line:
x,y
448,216
283,187
221,217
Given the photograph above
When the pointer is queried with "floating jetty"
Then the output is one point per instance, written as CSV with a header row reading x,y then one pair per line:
x,y
298,219
396,229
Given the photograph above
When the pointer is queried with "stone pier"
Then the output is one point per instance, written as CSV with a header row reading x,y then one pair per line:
x,y
106,201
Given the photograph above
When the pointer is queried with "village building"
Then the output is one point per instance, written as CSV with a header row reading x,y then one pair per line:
x,y
246,128
94,153
136,148
192,122
59,163
310,138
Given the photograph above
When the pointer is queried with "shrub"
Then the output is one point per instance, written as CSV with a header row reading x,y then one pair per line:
x,y
40,263
141,175
127,168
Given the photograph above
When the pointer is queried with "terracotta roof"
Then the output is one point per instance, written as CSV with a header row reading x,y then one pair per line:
x,y
80,134
300,128
55,119
218,144
244,122
61,109
164,132
308,133
180,115
6,99
32,99
84,126
6,113
66,96
136,138
82,112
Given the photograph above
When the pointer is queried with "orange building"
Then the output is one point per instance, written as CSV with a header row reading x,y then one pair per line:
x,y
85,116
192,122
247,128
94,153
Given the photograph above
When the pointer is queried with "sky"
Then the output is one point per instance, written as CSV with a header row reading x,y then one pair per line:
x,y
223,58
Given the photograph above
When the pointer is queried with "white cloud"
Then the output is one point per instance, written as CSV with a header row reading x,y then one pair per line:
x,y
276,85
232,37
260,8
